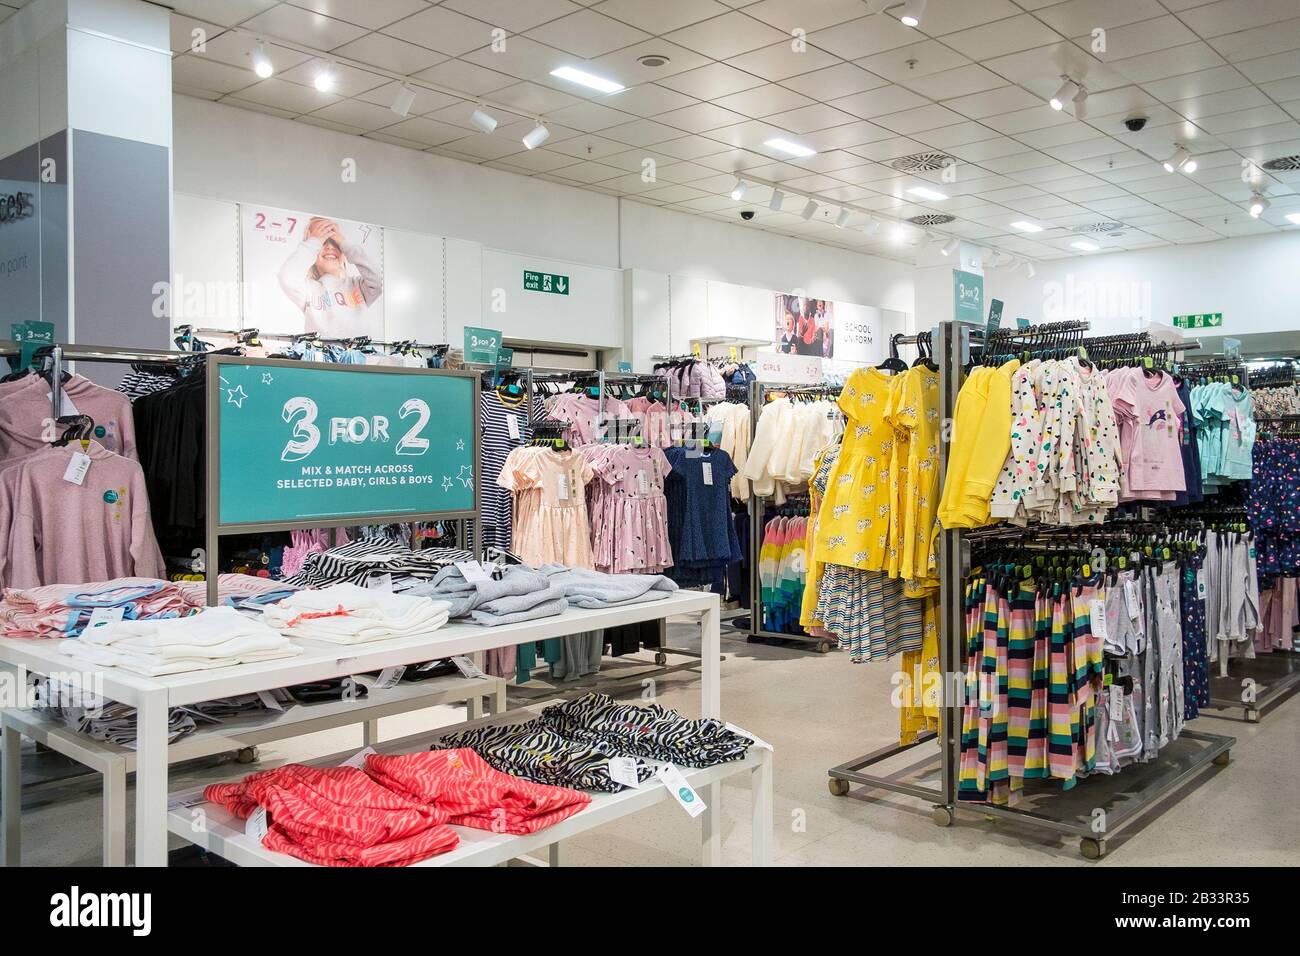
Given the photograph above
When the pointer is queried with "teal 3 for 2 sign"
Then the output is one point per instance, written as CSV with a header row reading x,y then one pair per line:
x,y
320,443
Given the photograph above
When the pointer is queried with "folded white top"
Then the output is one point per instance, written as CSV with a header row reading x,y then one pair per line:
x,y
348,614
152,666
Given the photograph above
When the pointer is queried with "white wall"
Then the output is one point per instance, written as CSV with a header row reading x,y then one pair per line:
x,y
591,314
1254,282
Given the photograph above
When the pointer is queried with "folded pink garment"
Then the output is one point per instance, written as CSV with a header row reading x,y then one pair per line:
x,y
230,586
62,610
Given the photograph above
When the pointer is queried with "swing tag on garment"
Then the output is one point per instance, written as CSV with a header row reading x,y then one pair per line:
x,y
682,791
1116,701
1131,599
104,615
623,770
473,571
358,760
563,492
642,483
512,426
467,667
708,473
389,676
1200,583
382,583
269,702
1097,618
75,473
257,825
66,407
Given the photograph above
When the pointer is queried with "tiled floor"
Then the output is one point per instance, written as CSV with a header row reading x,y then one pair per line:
x,y
817,711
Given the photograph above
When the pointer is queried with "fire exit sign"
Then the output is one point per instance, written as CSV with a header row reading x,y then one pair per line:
x,y
1206,320
546,282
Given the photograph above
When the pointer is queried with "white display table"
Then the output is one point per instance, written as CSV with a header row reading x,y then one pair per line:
x,y
152,697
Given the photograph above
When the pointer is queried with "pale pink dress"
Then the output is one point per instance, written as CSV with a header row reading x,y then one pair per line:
x,y
632,529
550,522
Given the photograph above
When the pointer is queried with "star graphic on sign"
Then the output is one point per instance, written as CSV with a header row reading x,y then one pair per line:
x,y
266,378
446,482
235,396
460,444
466,476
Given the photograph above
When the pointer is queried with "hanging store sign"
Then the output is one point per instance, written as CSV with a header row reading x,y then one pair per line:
x,y
788,369
1205,320
31,335
482,346
546,282
967,297
295,443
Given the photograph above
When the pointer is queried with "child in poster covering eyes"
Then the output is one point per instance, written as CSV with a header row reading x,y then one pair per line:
x,y
334,300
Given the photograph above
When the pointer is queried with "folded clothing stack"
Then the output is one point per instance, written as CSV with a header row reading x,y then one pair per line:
x,y
396,811
348,614
570,744
596,589
367,560
237,590
63,610
217,637
520,594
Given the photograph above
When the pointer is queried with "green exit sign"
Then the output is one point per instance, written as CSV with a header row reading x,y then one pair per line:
x,y
546,282
1205,320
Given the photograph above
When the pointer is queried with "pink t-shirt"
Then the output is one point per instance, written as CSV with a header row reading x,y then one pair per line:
x,y
27,407
64,533
1151,404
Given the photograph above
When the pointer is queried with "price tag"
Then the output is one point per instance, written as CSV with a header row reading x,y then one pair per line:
x,y
1131,601
1097,618
389,676
1200,583
758,741
358,760
467,667
708,473
1116,702
257,825
75,473
382,583
682,791
105,615
473,572
623,770
643,483
563,493
512,426
269,702
185,803
66,407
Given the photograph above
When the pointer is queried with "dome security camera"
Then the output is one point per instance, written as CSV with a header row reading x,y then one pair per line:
x,y
1135,123
746,214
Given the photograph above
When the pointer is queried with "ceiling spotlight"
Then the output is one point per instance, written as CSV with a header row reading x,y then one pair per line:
x,y
589,80
900,233
953,245
1080,99
262,63
1293,218
324,80
926,193
738,191
1083,245
871,225
1191,166
793,149
809,210
842,219
1176,161
913,10
536,136
402,100
1067,92
777,199
1257,205
1029,269
483,120
1026,226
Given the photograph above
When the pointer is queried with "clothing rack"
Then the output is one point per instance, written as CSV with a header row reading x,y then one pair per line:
x,y
358,340
1127,796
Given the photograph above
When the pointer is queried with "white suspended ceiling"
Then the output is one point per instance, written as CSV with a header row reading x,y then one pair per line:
x,y
1220,77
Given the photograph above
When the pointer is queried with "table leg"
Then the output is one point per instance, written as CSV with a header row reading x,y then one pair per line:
x,y
474,707
760,782
554,855
370,733
711,826
711,661
151,780
11,796
114,788
499,702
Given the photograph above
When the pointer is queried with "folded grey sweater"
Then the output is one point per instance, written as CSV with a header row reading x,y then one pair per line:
x,y
547,609
595,589
450,585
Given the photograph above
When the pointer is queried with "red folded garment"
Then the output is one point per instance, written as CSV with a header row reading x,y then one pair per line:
x,y
337,816
474,794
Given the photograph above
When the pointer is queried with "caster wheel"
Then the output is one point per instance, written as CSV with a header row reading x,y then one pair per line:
x,y
837,787
246,755
824,647
1223,759
1252,716
942,816
1092,849
661,659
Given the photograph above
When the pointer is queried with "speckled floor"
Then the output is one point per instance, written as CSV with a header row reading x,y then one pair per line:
x,y
818,711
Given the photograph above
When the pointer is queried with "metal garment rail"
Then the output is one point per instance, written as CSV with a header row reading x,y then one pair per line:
x,y
1142,786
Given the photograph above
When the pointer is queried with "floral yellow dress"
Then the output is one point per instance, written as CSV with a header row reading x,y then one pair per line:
x,y
914,415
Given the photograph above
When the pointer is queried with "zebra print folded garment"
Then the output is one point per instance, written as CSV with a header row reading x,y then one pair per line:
x,y
360,561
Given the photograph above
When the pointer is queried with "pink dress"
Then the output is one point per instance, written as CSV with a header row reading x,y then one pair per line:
x,y
550,523
631,528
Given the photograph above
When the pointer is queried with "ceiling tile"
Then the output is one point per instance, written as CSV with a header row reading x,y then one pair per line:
x,y
623,65
1243,119
647,100
227,13
699,118
234,49
304,26
1275,67
907,63
524,58
993,102
850,134
1019,121
1079,17
1213,104
1039,70
834,81
348,81
511,14
426,101
1140,39
211,75
711,82
372,14
1174,61
879,102
420,129
728,35
312,120
1215,80
778,61
588,117
1011,35
863,37
1231,16
587,34
189,34
391,53
1261,41
961,81
808,119
690,147
763,101
661,16
446,31
959,134
261,107
642,132
469,77
534,98
989,149
918,120
478,147
788,15
283,95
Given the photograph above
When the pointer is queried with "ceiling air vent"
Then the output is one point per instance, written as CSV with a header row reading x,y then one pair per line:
x,y
1283,164
931,219
1104,226
923,162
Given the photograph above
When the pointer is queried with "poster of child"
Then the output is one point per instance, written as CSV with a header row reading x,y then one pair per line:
x,y
805,326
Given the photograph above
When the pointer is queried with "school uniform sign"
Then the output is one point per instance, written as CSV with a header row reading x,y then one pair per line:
x,y
301,443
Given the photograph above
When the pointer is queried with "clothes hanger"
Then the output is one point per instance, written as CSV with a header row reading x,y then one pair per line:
x,y
893,363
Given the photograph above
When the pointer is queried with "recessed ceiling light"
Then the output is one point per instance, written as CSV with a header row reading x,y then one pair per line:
x,y
324,80
738,191
1067,92
927,193
793,149
1026,226
589,80
1293,217
1084,246
809,210
1257,205
262,63
913,10
536,136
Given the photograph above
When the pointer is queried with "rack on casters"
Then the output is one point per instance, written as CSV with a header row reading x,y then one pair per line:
x,y
1094,811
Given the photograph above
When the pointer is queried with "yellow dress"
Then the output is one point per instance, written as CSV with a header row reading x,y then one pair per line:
x,y
914,415
922,688
853,521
